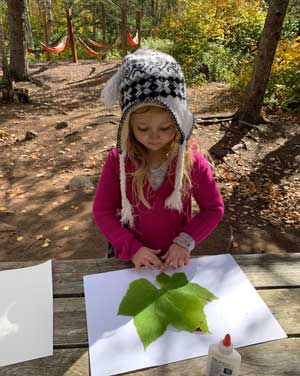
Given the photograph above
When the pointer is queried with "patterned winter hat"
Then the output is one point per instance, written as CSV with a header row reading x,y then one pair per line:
x,y
149,77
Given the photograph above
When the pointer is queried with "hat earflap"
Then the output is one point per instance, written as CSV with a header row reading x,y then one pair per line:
x,y
174,200
126,211
111,92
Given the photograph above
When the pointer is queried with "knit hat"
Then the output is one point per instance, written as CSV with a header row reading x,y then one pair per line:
x,y
148,77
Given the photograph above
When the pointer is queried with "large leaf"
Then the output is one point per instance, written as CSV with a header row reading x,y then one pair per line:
x,y
178,302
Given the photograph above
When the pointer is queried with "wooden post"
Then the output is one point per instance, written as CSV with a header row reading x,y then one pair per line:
x,y
71,35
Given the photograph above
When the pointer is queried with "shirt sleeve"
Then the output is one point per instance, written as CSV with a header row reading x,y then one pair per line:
x,y
107,205
208,198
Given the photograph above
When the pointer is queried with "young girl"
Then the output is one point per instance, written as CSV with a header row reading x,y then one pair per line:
x,y
143,200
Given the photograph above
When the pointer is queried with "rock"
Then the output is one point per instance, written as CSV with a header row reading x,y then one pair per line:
x,y
73,136
5,213
30,135
61,125
80,182
4,227
237,147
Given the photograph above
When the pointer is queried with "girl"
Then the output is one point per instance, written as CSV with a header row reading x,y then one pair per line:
x,y
143,200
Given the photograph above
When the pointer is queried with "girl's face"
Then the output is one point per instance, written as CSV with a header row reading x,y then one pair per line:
x,y
153,128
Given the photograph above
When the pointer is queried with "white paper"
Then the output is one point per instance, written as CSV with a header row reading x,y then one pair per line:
x,y
115,346
26,314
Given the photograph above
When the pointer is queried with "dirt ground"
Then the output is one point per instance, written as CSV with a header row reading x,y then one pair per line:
x,y
65,132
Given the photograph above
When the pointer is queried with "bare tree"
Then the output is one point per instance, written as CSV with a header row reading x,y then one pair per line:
x,y
18,61
250,108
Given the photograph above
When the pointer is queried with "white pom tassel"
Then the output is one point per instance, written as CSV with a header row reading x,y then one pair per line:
x,y
126,212
174,200
111,91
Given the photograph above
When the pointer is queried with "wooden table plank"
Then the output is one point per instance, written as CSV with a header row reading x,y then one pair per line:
x,y
276,358
70,326
263,270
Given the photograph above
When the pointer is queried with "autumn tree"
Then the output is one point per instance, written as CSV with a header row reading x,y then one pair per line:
x,y
250,108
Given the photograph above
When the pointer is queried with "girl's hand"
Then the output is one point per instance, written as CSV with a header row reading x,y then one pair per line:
x,y
176,256
148,257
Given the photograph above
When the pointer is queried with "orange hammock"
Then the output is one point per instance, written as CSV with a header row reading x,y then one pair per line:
x,y
134,42
93,43
88,49
51,44
61,47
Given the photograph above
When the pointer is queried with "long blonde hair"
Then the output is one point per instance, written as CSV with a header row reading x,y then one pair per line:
x,y
137,153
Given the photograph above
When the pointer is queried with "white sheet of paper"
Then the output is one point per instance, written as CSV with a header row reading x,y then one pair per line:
x,y
26,313
115,346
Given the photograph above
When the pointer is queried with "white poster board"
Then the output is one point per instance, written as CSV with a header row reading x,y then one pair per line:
x,y
115,346
26,314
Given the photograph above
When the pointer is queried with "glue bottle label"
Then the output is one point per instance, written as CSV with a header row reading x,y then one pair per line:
x,y
218,368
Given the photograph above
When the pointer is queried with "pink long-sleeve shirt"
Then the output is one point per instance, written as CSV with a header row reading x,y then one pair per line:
x,y
158,226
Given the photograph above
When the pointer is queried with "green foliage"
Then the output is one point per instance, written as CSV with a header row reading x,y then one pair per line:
x,y
284,85
214,33
178,302
163,45
216,40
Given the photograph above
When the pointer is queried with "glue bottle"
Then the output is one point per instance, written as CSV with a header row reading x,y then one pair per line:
x,y
223,359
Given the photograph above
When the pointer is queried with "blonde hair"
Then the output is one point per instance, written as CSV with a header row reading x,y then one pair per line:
x,y
137,153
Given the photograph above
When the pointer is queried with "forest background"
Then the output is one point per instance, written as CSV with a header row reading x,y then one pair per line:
x,y
214,40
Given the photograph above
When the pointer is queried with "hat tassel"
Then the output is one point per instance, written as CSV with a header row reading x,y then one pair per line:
x,y
174,200
126,212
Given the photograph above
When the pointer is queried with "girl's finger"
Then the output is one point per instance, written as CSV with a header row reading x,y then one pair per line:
x,y
180,262
148,265
186,259
156,262
165,265
137,267
175,263
165,256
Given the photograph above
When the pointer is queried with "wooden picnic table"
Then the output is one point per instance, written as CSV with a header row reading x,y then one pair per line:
x,y
275,276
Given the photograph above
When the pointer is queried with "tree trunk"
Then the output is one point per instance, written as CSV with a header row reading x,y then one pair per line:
x,y
103,23
71,35
18,62
124,27
95,8
138,25
29,38
49,19
250,108
152,9
42,12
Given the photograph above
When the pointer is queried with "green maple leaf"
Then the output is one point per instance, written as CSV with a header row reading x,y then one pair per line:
x,y
178,302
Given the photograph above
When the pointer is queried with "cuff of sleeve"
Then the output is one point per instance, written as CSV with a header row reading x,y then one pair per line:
x,y
185,241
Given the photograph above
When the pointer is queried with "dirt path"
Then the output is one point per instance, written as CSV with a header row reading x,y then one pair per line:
x,y
69,135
